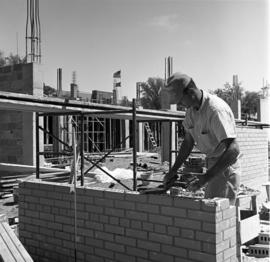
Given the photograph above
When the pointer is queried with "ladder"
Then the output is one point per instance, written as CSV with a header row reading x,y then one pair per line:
x,y
150,134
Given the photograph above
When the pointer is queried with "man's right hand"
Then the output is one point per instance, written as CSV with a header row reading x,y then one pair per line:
x,y
169,179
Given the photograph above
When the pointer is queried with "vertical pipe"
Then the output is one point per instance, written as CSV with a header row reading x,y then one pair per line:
x,y
134,138
170,145
81,149
37,145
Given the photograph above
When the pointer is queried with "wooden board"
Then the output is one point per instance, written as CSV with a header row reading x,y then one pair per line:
x,y
11,249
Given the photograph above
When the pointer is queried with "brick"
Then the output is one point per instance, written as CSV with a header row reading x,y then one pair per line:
x,y
122,258
187,233
230,252
124,205
187,243
137,252
124,222
148,245
160,200
136,197
173,211
182,202
173,231
62,235
114,220
136,224
95,242
104,236
128,241
154,256
85,232
208,237
147,208
228,233
205,216
215,248
175,251
160,219
63,219
161,238
148,226
202,257
136,215
160,229
187,223
94,225
104,253
103,202
114,229
136,233
114,212
115,247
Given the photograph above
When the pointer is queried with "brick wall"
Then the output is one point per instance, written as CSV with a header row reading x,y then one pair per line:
x,y
254,163
123,226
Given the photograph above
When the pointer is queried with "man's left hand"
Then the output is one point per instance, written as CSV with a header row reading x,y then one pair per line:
x,y
196,184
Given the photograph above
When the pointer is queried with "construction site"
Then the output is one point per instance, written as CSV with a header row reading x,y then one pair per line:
x,y
74,167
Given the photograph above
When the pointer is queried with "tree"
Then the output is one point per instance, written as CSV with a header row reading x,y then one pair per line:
x,y
11,59
250,103
150,93
49,91
229,92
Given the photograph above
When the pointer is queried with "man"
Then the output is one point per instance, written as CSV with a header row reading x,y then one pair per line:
x,y
209,123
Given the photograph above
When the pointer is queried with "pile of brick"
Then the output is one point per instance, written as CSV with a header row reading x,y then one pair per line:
x,y
262,249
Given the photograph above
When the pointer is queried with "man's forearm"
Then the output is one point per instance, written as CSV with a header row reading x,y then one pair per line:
x,y
184,151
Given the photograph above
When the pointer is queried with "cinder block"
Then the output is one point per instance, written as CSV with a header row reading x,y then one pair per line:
x,y
114,195
147,208
103,202
114,212
208,237
173,211
175,251
136,233
187,243
94,225
136,224
205,216
148,226
187,233
114,229
62,235
127,241
124,205
160,257
104,253
230,252
173,231
124,222
160,238
94,209
165,220
148,245
164,200
160,229
137,252
228,233
95,242
189,203
123,258
136,197
114,247
104,236
136,215
114,220
202,257
229,213
187,223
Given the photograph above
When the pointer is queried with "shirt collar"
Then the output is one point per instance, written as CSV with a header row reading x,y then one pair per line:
x,y
204,96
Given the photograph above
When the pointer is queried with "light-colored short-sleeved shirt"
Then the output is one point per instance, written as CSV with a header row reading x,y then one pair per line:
x,y
210,124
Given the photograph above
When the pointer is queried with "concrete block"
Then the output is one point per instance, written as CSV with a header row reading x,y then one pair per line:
x,y
164,200
94,209
137,252
160,257
127,205
147,208
94,225
202,257
175,251
123,258
173,211
136,224
136,215
165,220
148,226
148,245
124,222
104,253
160,238
103,202
127,241
187,233
187,223
188,243
160,229
114,212
104,236
114,229
173,231
114,195
137,234
114,247
209,237
114,220
188,203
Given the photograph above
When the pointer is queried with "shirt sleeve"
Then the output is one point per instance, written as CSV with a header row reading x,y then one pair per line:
x,y
223,125
187,123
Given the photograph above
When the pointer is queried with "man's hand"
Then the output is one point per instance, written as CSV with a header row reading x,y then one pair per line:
x,y
197,183
169,179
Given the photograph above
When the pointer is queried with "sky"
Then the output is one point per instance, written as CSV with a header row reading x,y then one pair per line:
x,y
210,40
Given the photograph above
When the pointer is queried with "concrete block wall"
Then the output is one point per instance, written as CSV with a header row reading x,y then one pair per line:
x,y
115,225
253,144
17,129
